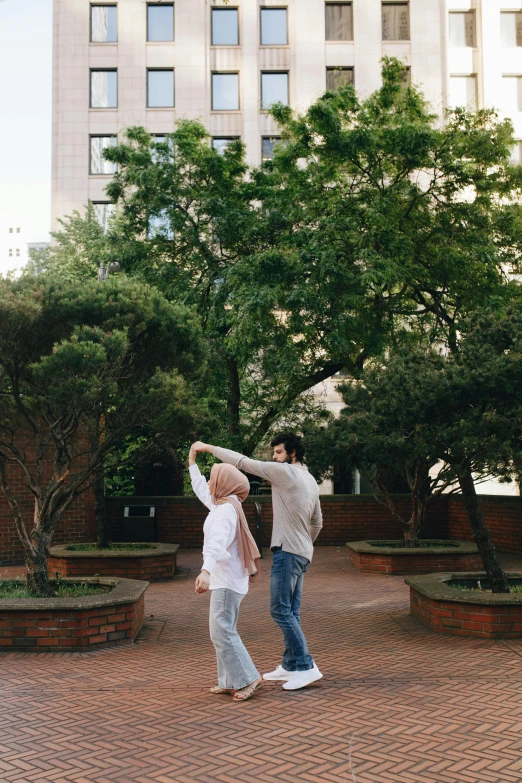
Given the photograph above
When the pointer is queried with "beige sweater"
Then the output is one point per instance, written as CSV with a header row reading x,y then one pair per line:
x,y
295,499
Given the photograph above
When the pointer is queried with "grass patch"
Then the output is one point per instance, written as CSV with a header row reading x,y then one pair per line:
x,y
482,586
18,589
423,544
112,548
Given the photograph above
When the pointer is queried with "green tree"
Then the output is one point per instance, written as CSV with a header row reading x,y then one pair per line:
x,y
68,352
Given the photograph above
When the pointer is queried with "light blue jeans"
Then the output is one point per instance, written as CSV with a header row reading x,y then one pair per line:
x,y
234,664
286,587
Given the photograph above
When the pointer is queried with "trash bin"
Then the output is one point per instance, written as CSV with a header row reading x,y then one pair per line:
x,y
139,523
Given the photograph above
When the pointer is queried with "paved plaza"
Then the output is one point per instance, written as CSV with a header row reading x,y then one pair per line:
x,y
397,704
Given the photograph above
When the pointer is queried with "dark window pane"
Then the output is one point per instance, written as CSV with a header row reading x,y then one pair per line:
x,y
274,89
225,91
160,22
103,23
160,89
273,26
104,89
339,22
336,77
267,147
225,27
98,163
395,22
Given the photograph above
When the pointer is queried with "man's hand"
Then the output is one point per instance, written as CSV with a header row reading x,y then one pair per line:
x,y
202,582
200,447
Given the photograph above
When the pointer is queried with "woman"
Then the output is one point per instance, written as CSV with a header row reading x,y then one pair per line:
x,y
230,559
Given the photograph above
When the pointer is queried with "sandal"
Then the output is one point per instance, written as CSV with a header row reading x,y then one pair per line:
x,y
219,689
246,693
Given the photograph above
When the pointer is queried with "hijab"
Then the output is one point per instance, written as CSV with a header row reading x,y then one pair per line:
x,y
226,480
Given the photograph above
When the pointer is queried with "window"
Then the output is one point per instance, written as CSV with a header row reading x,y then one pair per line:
x,y
103,211
511,28
516,154
406,76
159,227
273,27
225,27
225,91
104,24
512,93
18,252
160,88
267,147
463,92
159,154
337,77
395,22
98,164
220,143
462,29
274,89
17,230
339,22
10,251
104,89
10,230
160,22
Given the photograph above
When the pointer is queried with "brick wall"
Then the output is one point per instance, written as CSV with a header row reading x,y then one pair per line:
x,y
345,518
77,525
503,517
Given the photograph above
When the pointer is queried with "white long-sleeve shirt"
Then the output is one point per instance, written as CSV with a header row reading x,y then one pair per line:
x,y
220,550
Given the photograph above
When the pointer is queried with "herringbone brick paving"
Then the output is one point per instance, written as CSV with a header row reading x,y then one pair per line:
x,y
397,704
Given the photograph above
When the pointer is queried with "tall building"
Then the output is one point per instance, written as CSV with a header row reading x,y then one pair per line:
x,y
13,243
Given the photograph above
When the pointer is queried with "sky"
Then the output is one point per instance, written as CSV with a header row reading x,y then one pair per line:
x,y
25,113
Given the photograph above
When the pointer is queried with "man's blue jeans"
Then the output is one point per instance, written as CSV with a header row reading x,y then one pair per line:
x,y
286,587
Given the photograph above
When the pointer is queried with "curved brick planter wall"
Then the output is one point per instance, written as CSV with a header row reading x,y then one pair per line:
x,y
443,609
151,565
395,560
74,624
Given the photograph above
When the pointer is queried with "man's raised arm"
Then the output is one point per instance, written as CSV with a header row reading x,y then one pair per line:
x,y
276,473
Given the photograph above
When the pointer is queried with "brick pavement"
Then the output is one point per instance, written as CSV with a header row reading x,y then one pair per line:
x,y
397,704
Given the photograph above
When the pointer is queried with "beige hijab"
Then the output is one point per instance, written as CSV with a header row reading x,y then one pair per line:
x,y
226,480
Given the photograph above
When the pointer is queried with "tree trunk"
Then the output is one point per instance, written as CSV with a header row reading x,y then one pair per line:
x,y
36,559
420,486
496,576
103,539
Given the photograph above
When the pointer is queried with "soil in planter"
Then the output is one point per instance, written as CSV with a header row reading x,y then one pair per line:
x,y
16,589
423,544
112,548
482,585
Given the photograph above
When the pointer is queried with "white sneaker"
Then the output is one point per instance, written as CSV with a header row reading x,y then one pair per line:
x,y
301,679
278,674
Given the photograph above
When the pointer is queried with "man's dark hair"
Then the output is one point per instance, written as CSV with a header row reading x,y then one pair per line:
x,y
291,442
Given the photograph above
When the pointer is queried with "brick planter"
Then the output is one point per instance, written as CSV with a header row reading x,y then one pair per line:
x,y
443,609
152,565
74,624
460,556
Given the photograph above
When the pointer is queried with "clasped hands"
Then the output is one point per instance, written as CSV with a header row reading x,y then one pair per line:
x,y
198,447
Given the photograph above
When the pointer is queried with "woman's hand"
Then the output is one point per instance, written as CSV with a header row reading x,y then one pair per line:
x,y
199,447
202,582
192,455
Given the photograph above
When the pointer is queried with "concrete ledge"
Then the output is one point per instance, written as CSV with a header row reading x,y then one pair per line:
x,y
446,610
74,624
457,556
156,564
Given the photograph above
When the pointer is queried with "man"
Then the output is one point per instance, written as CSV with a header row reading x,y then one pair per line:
x,y
297,522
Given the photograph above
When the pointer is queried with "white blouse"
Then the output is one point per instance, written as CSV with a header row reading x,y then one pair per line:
x,y
220,550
